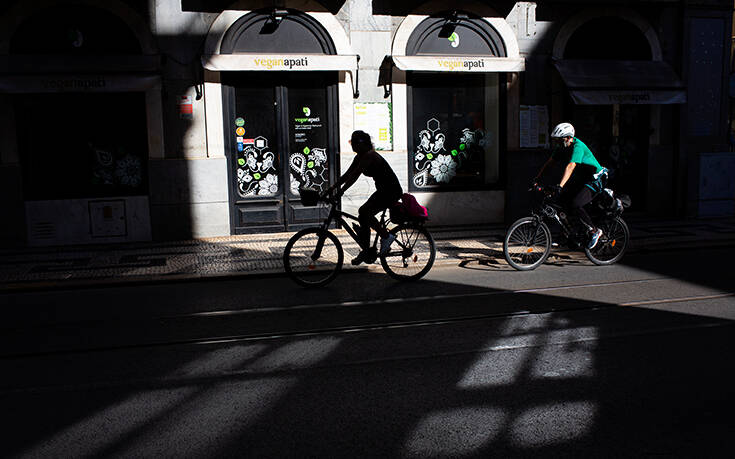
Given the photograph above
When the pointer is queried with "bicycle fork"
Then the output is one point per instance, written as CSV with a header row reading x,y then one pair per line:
x,y
322,237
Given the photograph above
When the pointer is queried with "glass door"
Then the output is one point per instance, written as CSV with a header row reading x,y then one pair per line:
x,y
280,139
311,148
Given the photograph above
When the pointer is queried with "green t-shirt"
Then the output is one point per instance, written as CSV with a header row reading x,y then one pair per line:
x,y
579,154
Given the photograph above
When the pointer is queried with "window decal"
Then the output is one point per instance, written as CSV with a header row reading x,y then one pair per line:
x,y
256,172
309,170
432,164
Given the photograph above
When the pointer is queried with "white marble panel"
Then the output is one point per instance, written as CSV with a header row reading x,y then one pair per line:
x,y
188,181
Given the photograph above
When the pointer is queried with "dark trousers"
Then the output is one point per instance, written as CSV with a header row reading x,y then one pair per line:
x,y
377,202
576,199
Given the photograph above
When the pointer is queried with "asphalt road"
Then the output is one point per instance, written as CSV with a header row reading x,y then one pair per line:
x,y
475,360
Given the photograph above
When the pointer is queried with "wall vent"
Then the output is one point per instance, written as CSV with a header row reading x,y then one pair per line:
x,y
43,231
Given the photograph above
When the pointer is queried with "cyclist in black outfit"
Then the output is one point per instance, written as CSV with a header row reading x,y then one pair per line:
x,y
370,163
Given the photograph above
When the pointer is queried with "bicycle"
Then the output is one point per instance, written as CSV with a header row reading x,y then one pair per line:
x,y
314,256
528,242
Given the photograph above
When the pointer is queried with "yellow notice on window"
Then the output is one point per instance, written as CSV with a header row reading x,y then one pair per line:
x,y
376,119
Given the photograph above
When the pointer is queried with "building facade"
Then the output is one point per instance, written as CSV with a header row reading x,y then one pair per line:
x,y
166,119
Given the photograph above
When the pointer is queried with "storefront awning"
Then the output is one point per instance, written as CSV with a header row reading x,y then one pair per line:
x,y
279,62
61,83
23,64
480,64
606,82
243,62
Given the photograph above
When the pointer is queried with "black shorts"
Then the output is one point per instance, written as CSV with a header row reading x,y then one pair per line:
x,y
380,200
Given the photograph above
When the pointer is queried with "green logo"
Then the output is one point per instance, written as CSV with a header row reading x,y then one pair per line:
x,y
306,150
454,152
429,156
307,111
310,164
241,161
454,39
240,122
256,176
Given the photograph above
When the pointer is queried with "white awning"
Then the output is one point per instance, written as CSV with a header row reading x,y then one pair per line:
x,y
26,84
279,62
479,64
607,82
628,97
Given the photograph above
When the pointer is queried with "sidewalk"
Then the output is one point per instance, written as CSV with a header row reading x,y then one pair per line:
x,y
260,254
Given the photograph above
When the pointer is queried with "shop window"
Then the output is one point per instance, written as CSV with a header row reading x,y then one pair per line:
x,y
82,145
454,131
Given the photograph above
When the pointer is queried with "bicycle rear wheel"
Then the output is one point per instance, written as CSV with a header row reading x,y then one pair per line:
x,y
527,244
313,257
612,244
411,255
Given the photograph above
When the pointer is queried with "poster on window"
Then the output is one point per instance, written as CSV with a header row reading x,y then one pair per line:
x,y
534,121
375,119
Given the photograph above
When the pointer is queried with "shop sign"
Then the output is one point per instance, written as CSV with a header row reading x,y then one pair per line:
x,y
279,62
628,97
480,64
45,84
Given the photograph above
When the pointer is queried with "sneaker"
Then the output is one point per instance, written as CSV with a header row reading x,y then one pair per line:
x,y
594,239
385,244
360,257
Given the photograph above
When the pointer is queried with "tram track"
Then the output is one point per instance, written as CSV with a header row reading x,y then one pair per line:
x,y
555,337
184,329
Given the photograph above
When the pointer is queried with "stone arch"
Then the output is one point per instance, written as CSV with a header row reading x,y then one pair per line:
x,y
228,18
22,11
488,40
297,32
410,23
576,21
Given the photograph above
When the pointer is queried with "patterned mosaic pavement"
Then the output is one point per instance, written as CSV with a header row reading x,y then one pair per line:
x,y
261,253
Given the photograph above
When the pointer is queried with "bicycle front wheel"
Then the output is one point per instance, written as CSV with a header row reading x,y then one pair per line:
x,y
527,244
612,244
411,255
313,257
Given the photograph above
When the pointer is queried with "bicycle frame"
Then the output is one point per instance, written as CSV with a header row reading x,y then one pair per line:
x,y
342,219
548,211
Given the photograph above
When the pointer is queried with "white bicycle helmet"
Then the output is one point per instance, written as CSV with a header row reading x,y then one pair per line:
x,y
563,130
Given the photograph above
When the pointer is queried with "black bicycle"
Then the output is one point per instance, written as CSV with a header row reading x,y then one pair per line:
x,y
528,241
314,256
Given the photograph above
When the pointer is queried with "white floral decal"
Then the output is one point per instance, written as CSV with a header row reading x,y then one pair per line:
x,y
443,169
269,185
434,164
129,171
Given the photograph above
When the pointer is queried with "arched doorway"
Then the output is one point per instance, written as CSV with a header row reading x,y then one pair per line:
x,y
617,86
281,118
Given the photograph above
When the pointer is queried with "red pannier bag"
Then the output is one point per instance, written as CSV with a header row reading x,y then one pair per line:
x,y
408,209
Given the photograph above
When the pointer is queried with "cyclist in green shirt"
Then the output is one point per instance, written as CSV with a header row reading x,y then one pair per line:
x,y
582,179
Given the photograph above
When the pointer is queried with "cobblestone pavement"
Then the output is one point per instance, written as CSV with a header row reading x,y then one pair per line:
x,y
261,254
